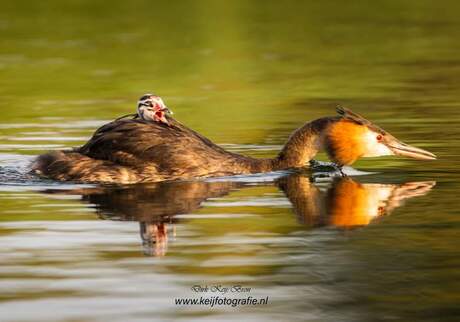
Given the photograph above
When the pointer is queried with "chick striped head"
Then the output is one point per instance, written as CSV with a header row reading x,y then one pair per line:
x,y
151,107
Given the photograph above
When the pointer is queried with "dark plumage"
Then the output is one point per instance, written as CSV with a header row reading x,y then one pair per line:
x,y
135,150
138,150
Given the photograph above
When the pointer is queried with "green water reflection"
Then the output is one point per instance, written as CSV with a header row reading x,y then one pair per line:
x,y
245,74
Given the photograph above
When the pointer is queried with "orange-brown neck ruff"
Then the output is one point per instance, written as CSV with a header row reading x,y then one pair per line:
x,y
344,142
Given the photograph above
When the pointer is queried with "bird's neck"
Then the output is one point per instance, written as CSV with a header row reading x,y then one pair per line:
x,y
301,147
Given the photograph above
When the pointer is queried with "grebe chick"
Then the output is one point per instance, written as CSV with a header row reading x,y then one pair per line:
x,y
150,107
155,147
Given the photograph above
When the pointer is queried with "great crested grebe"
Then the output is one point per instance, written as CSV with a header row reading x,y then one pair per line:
x,y
153,147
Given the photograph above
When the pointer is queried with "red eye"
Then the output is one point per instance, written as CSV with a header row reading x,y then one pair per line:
x,y
379,137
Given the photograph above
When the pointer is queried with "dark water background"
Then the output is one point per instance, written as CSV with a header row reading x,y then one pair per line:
x,y
380,247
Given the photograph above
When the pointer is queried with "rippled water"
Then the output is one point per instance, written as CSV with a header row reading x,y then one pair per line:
x,y
381,244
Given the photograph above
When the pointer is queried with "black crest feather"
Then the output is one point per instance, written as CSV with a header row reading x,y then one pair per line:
x,y
352,116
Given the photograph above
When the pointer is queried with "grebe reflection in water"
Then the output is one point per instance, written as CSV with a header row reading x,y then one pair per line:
x,y
343,203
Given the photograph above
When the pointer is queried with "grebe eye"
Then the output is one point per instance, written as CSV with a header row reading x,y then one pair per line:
x,y
379,137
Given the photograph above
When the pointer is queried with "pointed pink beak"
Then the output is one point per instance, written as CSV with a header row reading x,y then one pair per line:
x,y
403,149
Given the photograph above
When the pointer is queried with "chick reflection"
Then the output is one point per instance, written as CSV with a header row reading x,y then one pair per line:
x,y
346,203
154,237
154,206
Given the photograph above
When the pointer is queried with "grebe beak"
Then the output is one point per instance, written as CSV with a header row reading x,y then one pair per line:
x,y
403,149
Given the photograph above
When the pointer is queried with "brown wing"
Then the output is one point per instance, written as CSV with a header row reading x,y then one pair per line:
x,y
135,142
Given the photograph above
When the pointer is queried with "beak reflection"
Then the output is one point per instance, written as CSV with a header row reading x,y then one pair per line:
x,y
343,203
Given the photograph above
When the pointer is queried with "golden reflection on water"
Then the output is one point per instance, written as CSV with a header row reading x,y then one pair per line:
x,y
343,203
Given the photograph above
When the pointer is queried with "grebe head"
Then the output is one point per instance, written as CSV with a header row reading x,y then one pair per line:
x,y
152,108
352,137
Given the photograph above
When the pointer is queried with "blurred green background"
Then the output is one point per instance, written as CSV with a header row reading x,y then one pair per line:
x,y
238,71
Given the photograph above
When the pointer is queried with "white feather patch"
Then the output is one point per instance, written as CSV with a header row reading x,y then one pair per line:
x,y
374,148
